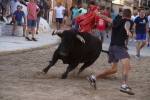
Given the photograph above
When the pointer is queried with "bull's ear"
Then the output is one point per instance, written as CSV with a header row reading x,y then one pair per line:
x,y
59,33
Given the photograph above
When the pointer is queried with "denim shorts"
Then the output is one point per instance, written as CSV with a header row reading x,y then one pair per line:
x,y
19,23
38,20
31,23
140,36
3,7
117,53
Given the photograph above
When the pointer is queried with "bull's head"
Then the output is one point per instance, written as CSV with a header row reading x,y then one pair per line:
x,y
67,41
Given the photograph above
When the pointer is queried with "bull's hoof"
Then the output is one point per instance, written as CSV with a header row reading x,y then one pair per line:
x,y
44,73
64,76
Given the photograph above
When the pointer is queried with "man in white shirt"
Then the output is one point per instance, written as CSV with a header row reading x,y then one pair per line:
x,y
59,14
133,17
148,37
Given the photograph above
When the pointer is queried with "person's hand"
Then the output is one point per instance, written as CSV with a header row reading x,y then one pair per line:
x,y
42,16
134,35
129,33
96,11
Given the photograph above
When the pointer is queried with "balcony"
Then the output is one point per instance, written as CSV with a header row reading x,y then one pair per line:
x,y
129,1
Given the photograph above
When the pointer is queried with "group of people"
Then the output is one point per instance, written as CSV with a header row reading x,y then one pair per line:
x,y
124,26
35,11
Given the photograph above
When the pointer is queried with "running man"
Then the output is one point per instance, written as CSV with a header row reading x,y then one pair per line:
x,y
140,30
148,37
120,32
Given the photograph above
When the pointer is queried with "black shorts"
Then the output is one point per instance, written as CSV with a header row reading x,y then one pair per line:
x,y
59,20
117,53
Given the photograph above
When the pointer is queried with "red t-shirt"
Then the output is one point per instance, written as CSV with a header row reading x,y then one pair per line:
x,y
32,8
100,24
108,15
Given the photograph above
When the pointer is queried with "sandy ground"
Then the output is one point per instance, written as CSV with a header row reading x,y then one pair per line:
x,y
20,79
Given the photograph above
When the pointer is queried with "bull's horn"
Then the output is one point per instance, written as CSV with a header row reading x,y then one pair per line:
x,y
57,32
80,38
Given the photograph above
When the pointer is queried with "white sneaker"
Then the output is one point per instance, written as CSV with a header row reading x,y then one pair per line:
x,y
130,40
134,40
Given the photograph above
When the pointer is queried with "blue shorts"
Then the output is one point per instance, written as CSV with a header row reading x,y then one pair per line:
x,y
3,7
140,36
38,20
31,23
19,23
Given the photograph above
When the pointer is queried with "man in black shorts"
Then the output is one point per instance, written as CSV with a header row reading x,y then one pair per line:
x,y
59,15
120,32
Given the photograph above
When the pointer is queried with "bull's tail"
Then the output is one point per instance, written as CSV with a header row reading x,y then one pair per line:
x,y
105,52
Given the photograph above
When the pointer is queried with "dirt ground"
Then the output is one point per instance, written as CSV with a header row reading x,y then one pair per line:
x,y
20,79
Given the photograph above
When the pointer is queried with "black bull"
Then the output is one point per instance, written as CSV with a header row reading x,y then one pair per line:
x,y
76,48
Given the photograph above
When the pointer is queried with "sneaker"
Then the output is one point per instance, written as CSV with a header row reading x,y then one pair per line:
x,y
130,40
33,39
92,81
134,40
137,56
107,36
126,89
23,35
12,34
126,48
28,39
36,32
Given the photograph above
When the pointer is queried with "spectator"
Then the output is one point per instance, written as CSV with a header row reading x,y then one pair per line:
x,y
119,16
3,8
73,5
32,17
100,29
47,7
83,9
107,13
13,4
17,18
59,15
140,31
74,14
65,14
133,17
148,37
112,14
40,14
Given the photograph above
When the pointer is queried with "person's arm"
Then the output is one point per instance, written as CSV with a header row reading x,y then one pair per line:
x,y
134,30
105,18
31,13
147,28
43,12
127,28
38,10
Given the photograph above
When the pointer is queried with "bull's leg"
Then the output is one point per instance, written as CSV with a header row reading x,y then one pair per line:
x,y
51,63
88,63
69,68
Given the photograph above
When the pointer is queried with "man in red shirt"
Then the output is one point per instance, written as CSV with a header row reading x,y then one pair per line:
x,y
100,29
33,10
